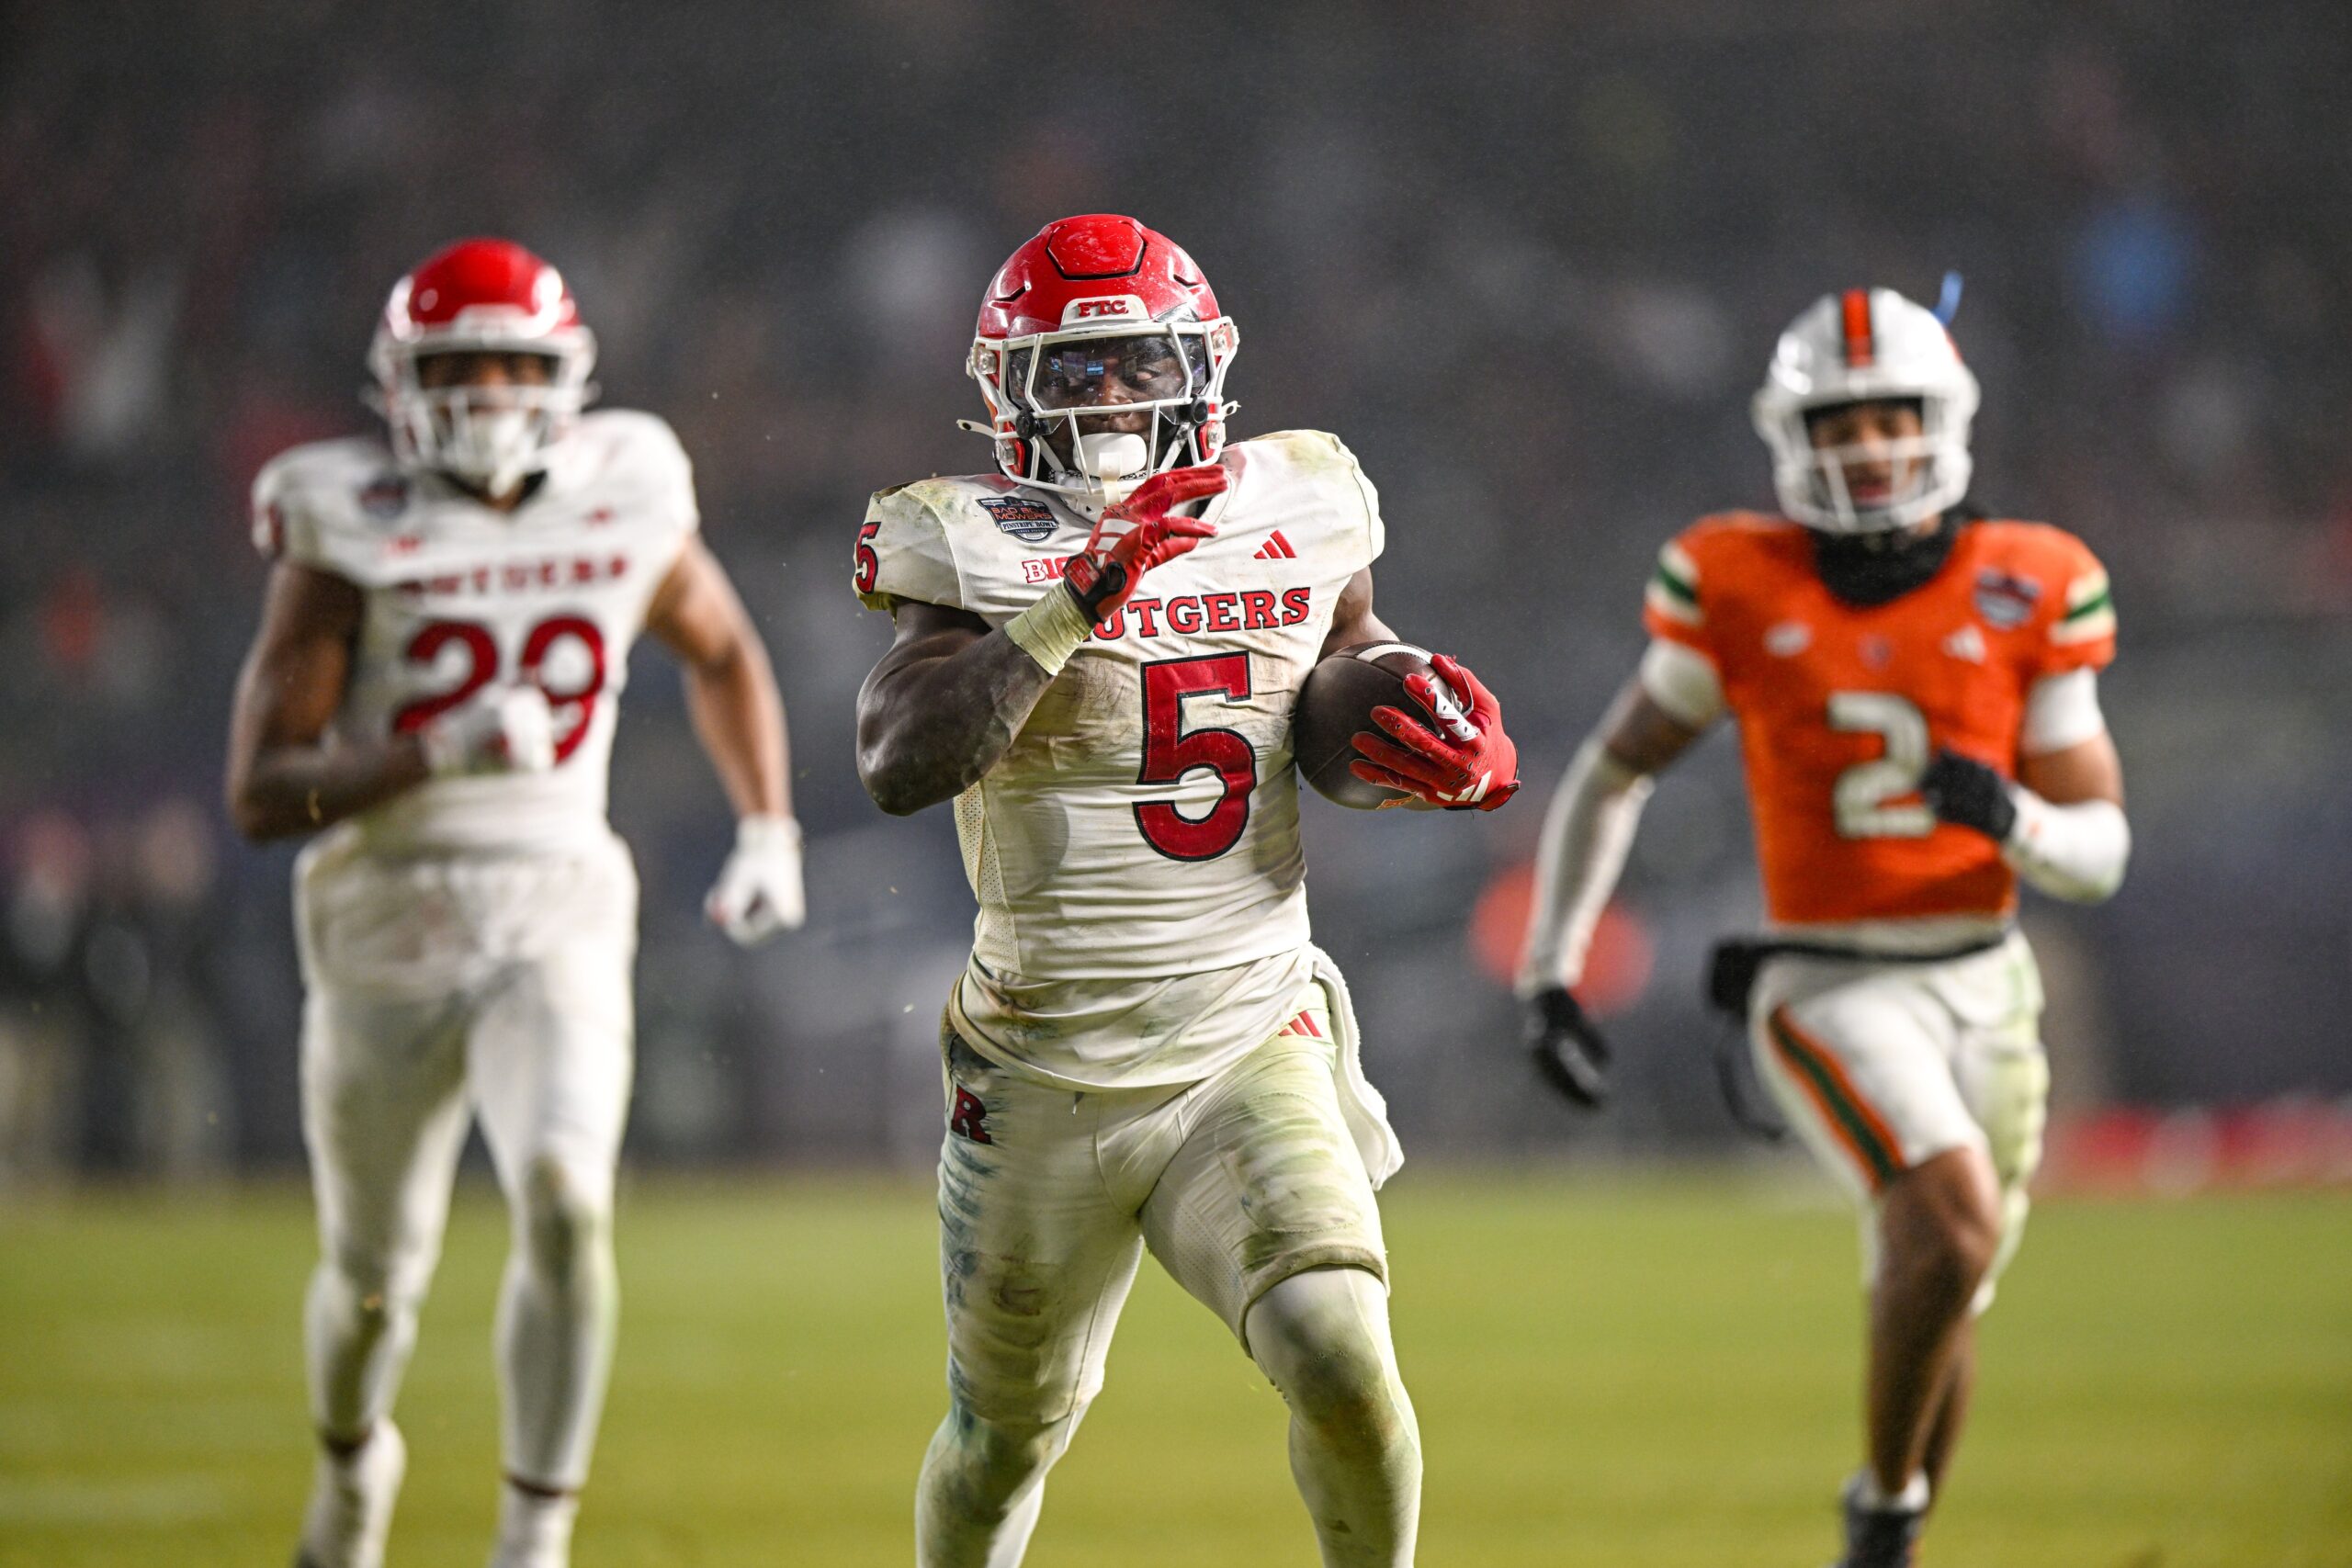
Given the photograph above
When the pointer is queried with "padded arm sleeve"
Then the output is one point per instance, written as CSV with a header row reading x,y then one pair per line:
x,y
1587,832
2077,852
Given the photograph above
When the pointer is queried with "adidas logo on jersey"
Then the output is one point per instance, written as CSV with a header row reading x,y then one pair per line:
x,y
1967,643
1276,548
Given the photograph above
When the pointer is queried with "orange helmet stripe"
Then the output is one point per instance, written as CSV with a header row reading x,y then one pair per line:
x,y
1862,347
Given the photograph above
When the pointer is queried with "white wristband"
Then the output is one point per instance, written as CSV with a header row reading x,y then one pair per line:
x,y
1050,631
761,833
2077,852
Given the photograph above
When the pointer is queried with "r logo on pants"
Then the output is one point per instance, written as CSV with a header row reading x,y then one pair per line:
x,y
969,1118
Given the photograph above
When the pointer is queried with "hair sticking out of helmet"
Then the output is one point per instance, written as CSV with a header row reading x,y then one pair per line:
x,y
488,297
1867,347
1101,356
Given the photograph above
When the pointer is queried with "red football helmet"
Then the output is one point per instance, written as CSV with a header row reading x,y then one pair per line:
x,y
484,296
1098,315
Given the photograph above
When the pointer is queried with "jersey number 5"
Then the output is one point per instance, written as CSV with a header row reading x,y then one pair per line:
x,y
1171,751
482,666
869,565
1863,790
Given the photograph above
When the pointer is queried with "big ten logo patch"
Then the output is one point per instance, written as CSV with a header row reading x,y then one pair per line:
x,y
968,1118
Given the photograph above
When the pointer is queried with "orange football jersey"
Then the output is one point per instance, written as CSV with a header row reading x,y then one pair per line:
x,y
1840,707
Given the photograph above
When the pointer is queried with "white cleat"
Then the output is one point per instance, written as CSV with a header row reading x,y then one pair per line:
x,y
351,1503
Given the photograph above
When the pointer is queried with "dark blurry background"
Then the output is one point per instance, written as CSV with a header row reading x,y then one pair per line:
x,y
1527,259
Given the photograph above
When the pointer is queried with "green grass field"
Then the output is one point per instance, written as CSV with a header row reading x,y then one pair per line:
x,y
1619,1372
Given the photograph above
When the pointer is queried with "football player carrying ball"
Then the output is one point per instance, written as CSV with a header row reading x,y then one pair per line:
x,y
1099,649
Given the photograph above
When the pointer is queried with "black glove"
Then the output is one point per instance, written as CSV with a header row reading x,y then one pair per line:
x,y
1567,1047
1963,790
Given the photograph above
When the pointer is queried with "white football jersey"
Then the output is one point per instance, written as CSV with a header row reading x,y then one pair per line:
x,y
459,596
1144,825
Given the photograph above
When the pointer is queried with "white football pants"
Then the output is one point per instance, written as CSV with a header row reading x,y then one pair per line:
x,y
1881,1065
440,987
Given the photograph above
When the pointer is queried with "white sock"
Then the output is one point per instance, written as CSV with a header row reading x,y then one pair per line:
x,y
352,1494
535,1528
1912,1499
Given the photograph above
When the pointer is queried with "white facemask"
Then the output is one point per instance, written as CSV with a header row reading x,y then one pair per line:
x,y
490,442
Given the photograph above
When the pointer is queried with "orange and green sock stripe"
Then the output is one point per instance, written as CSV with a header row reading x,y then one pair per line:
x,y
1858,1127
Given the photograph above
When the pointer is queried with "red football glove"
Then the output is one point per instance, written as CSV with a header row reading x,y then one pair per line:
x,y
1455,760
1107,571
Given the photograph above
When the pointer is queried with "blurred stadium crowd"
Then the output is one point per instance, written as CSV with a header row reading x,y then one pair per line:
x,y
1528,260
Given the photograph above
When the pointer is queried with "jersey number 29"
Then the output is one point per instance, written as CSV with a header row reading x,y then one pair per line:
x,y
1171,751
482,666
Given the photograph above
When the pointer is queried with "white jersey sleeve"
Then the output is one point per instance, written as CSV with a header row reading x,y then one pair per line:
x,y
1327,469
328,505
903,553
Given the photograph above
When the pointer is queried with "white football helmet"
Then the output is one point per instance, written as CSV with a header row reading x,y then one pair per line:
x,y
1866,346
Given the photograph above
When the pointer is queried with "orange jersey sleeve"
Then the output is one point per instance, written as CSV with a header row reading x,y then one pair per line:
x,y
1840,705
1670,604
2078,623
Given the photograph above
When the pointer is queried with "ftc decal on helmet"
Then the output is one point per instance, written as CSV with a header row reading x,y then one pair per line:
x,y
1098,317
485,297
1866,346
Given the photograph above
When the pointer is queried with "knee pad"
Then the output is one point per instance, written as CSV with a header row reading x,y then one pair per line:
x,y
563,1216
1322,1337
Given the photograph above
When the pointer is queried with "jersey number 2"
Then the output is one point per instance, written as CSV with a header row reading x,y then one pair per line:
x,y
1863,790
482,668
1171,751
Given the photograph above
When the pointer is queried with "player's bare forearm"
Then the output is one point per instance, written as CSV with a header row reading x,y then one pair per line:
x,y
288,790
1352,621
285,776
731,686
942,708
2089,769
1640,733
738,717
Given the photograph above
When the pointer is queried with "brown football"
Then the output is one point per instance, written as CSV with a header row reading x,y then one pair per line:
x,y
1336,704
